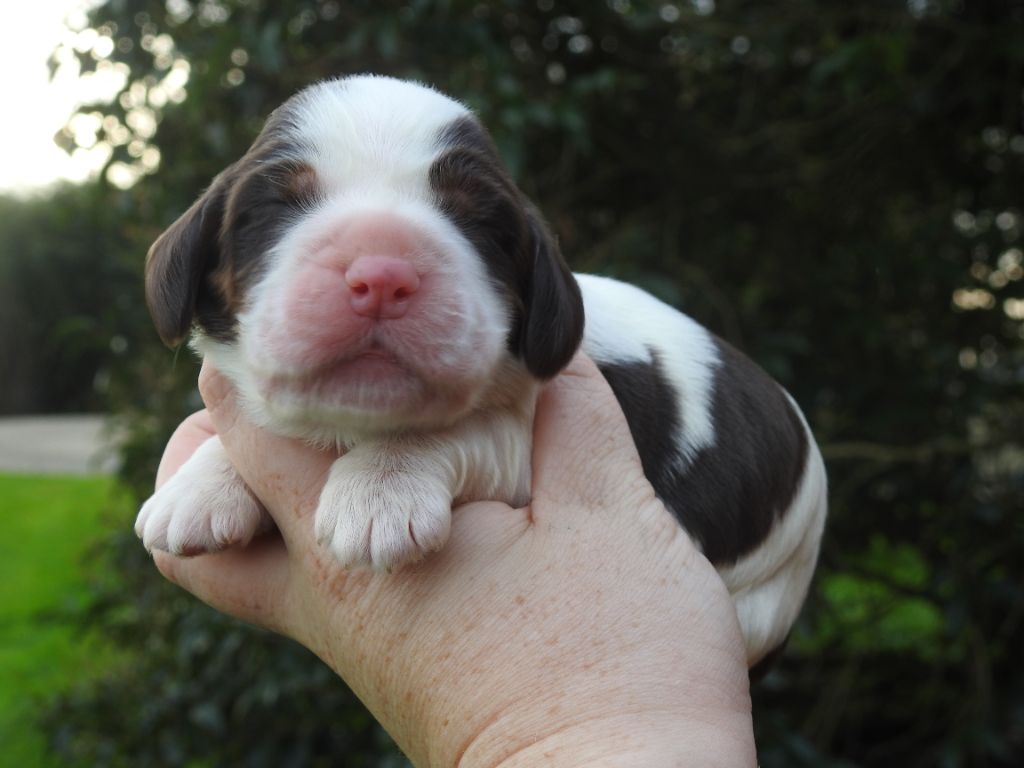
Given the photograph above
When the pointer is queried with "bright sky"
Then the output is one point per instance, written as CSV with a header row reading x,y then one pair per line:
x,y
28,157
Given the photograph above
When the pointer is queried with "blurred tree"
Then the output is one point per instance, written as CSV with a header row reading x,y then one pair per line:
x,y
835,187
69,304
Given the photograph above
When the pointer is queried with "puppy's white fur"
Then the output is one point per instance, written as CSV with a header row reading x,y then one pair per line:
x,y
205,506
625,325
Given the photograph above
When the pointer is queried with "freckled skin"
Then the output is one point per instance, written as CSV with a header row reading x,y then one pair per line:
x,y
520,643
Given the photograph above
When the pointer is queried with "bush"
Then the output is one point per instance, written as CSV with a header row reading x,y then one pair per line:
x,y
69,307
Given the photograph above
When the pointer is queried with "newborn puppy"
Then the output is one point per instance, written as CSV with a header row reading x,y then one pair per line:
x,y
369,277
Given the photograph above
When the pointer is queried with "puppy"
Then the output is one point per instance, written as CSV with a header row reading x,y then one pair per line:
x,y
368,276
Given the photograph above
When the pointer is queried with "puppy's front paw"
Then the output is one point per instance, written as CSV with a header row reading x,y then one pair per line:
x,y
382,518
205,507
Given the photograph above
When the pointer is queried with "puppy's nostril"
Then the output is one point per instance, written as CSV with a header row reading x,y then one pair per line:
x,y
381,286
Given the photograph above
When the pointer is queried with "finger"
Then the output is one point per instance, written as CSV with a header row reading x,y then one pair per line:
x,y
190,434
583,450
286,475
586,462
250,582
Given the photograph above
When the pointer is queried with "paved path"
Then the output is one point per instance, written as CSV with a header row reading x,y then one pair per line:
x,y
67,444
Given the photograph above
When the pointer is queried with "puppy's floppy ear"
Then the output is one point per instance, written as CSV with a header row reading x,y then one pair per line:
x,y
180,258
553,308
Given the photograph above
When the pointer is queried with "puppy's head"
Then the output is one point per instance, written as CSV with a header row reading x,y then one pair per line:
x,y
367,264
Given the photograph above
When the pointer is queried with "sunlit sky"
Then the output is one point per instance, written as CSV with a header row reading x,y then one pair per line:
x,y
39,108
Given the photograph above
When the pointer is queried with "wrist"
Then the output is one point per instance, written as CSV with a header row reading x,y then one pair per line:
x,y
684,719
564,724
627,740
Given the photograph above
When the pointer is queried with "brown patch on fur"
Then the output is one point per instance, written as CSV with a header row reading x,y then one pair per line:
x,y
202,267
474,190
261,205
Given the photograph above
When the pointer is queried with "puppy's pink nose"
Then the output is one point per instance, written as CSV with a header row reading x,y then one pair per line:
x,y
380,286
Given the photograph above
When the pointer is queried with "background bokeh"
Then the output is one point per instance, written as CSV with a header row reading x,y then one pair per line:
x,y
835,187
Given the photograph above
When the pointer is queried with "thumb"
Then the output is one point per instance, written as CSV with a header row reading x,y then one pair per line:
x,y
285,474
583,449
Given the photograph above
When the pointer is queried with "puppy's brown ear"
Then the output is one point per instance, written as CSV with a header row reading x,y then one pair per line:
x,y
553,308
178,261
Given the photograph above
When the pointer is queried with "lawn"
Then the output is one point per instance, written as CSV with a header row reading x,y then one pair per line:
x,y
48,523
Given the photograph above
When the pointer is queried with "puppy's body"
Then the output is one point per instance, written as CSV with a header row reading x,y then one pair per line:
x,y
724,446
368,276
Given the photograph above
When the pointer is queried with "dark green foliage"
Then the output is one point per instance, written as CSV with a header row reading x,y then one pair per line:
x,y
835,187
201,686
69,308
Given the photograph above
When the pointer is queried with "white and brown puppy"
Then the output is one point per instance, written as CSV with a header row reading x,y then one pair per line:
x,y
369,276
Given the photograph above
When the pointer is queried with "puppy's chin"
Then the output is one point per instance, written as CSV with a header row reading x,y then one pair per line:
x,y
369,383
373,387
336,424
370,395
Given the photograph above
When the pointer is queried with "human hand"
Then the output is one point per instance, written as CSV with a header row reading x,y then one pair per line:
x,y
585,629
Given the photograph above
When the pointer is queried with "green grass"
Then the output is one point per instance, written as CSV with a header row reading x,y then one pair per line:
x,y
48,524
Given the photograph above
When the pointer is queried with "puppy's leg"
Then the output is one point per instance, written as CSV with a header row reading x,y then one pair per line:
x,y
389,502
386,503
204,507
